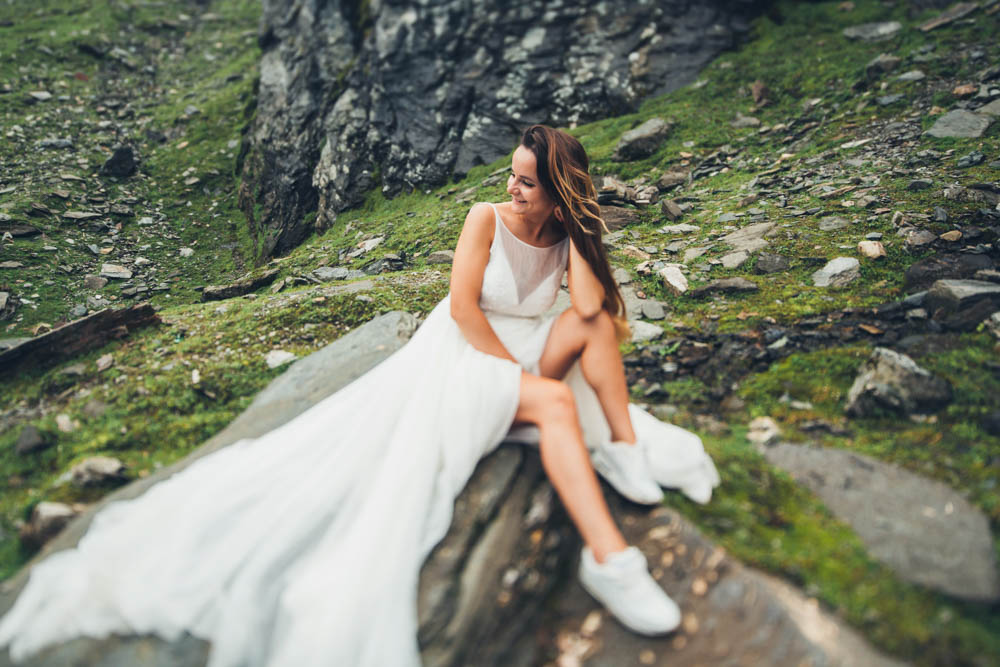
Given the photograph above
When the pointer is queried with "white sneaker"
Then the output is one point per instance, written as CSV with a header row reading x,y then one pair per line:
x,y
626,468
622,583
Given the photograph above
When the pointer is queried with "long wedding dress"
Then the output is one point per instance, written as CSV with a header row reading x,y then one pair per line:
x,y
304,546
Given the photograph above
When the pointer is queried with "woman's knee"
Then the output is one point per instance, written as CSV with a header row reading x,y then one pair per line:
x,y
558,402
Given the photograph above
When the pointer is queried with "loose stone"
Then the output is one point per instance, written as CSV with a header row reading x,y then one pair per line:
x,y
871,249
837,272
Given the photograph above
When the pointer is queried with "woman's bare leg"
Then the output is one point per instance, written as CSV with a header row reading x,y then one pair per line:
x,y
549,405
593,341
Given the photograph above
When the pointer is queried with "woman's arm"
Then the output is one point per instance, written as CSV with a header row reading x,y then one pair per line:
x,y
471,256
585,290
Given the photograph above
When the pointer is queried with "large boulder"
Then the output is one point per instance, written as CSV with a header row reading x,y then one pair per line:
x,y
892,381
405,95
924,530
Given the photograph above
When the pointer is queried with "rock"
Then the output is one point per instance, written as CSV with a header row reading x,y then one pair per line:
x,y
940,214
964,90
671,179
115,271
873,32
122,163
881,64
47,519
735,259
727,217
871,249
889,100
919,184
277,358
98,470
769,262
39,95
621,276
892,381
922,529
837,272
441,257
31,440
652,310
643,332
243,286
960,123
956,11
55,143
993,324
912,75
732,614
749,238
94,282
328,273
726,286
952,236
962,304
742,121
918,238
679,229
186,252
104,362
65,424
694,253
923,273
833,223
671,210
992,109
94,409
673,279
971,160
763,432
642,141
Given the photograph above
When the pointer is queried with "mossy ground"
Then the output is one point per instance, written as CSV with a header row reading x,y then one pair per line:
x,y
156,413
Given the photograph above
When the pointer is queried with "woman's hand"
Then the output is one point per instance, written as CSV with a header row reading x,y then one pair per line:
x,y
585,290
471,256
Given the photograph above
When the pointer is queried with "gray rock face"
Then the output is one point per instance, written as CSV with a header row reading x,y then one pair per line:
x,y
837,272
122,163
922,529
642,141
960,123
892,381
962,304
421,92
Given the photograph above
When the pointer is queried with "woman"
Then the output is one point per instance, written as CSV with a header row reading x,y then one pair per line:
x,y
305,545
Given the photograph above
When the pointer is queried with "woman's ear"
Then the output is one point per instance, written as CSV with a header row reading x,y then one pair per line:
x,y
559,215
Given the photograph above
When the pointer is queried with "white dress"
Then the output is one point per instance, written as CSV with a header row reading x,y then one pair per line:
x,y
304,546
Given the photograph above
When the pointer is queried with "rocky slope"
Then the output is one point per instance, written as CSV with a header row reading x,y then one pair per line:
x,y
357,95
807,244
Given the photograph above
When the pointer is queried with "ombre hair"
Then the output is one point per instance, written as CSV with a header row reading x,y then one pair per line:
x,y
564,174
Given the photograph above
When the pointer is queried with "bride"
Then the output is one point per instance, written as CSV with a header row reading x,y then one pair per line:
x,y
304,545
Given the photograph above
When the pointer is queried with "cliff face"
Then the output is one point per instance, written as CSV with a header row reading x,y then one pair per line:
x,y
404,94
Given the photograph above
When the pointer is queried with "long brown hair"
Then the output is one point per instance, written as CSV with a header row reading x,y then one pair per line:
x,y
564,174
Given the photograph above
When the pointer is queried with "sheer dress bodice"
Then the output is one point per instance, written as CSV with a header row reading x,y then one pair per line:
x,y
521,280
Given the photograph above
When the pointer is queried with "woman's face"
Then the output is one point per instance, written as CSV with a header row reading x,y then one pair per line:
x,y
527,196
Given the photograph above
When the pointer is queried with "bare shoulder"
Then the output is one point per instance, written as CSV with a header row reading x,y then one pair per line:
x,y
480,221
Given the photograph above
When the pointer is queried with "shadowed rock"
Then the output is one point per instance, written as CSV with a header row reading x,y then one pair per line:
x,y
892,381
